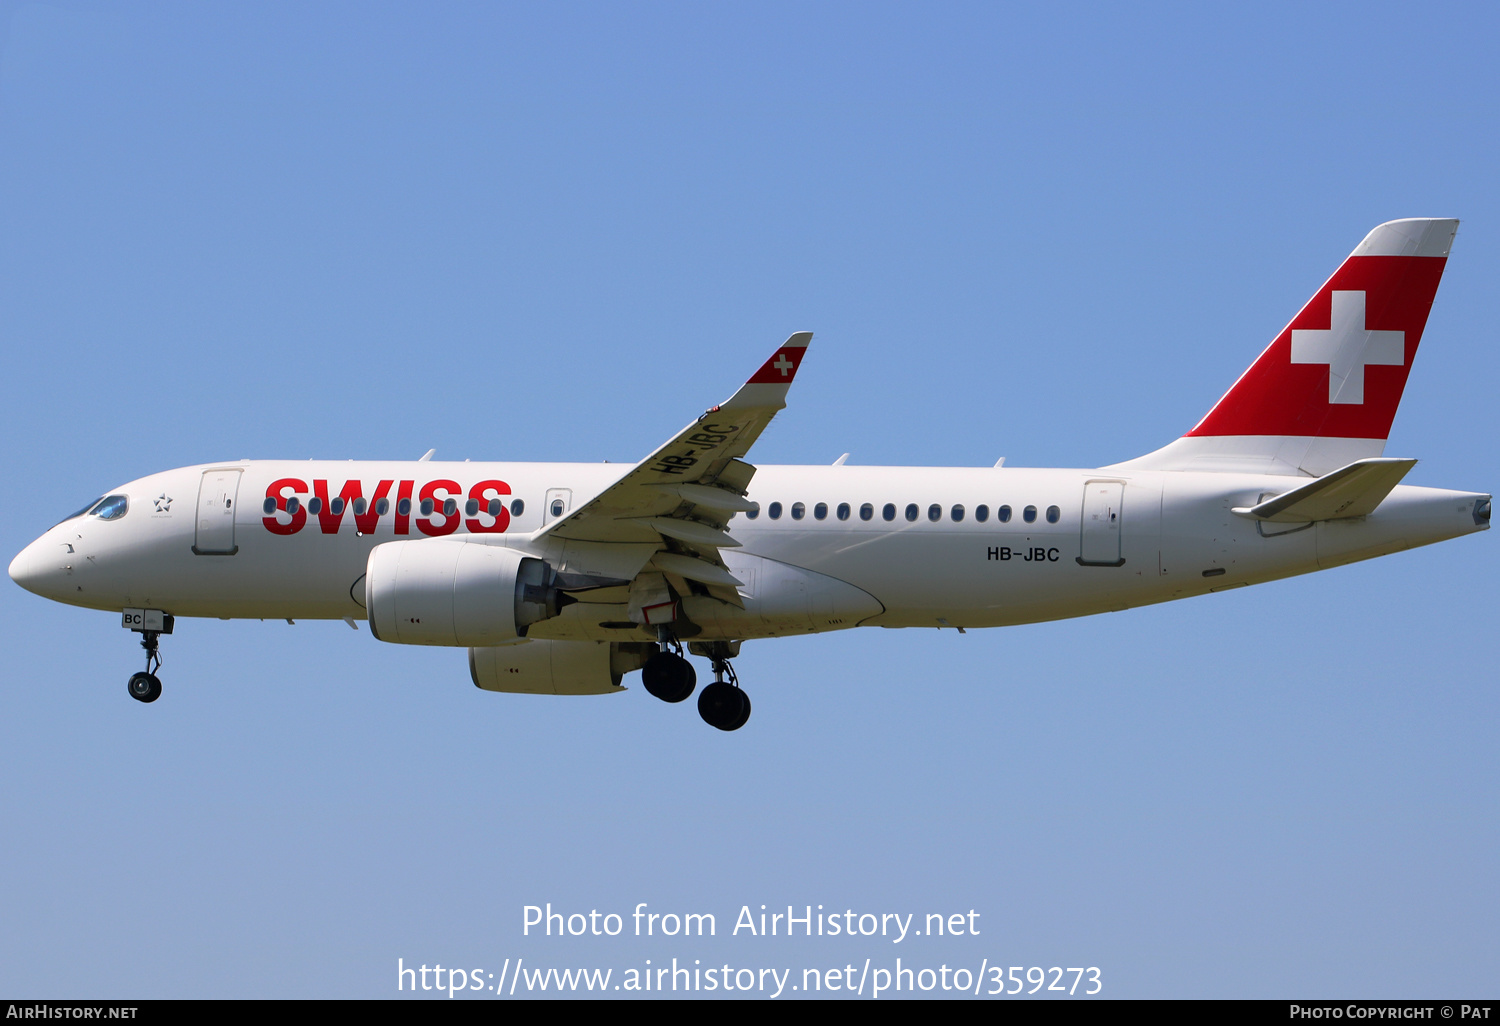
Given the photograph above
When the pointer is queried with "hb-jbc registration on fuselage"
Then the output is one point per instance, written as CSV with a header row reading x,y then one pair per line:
x,y
561,578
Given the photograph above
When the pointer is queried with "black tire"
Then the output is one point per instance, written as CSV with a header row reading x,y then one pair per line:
x,y
657,675
724,706
669,677
144,687
744,710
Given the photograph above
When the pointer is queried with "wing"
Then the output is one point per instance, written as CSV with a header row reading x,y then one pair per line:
x,y
682,495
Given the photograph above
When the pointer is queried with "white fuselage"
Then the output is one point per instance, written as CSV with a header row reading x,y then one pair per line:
x,y
198,541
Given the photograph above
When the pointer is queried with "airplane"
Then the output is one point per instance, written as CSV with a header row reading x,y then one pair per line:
x,y
560,578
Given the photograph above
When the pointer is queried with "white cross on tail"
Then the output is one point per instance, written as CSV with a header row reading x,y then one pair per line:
x,y
1348,347
783,364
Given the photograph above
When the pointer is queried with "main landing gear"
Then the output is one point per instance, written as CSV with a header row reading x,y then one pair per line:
x,y
722,704
667,675
670,677
150,624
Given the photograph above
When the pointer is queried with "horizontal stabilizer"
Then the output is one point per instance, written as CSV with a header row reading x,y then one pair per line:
x,y
1352,491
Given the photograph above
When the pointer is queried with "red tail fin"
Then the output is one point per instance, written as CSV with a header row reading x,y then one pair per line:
x,y
1326,390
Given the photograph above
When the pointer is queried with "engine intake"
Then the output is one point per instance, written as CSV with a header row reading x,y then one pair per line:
x,y
462,594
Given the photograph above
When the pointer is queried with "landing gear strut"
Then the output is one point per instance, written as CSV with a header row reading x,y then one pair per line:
x,y
667,675
144,686
723,704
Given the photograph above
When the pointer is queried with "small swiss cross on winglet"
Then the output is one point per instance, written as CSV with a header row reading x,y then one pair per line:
x,y
781,368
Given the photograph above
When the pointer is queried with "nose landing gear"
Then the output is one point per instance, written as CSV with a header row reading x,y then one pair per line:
x,y
151,624
144,686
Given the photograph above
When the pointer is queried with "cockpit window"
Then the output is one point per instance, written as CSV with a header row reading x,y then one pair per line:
x,y
112,508
73,516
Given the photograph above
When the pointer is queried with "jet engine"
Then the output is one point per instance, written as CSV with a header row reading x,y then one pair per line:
x,y
543,667
437,592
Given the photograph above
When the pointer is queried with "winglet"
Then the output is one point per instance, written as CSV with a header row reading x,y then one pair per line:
x,y
781,368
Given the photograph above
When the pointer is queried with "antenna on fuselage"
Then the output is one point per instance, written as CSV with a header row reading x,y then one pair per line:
x,y
429,454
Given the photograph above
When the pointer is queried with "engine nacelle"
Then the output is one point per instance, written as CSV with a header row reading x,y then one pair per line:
x,y
543,667
439,592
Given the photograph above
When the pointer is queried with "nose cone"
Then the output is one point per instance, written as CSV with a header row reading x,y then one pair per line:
x,y
38,569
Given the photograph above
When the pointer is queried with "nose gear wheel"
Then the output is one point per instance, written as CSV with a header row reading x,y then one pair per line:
x,y
145,686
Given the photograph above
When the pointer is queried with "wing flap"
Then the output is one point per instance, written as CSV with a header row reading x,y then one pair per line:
x,y
693,532
712,497
695,569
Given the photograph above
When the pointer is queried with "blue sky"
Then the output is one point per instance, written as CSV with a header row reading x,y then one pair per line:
x,y
546,232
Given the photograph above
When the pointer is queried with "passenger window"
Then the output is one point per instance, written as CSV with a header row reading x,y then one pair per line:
x,y
752,512
798,511
494,507
517,507
450,507
359,507
336,506
843,511
867,512
1003,514
820,511
1029,514
294,504
472,507
774,511
269,507
911,511
315,505
934,512
382,507
403,507
889,512
557,507
957,513
427,507
981,513
1053,514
